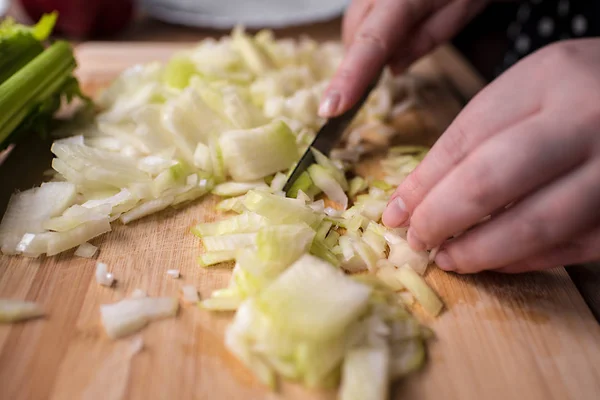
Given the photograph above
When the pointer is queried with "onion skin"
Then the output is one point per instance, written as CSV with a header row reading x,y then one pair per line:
x,y
84,18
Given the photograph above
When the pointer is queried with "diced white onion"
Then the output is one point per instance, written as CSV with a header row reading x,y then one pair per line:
x,y
173,273
190,294
86,250
103,277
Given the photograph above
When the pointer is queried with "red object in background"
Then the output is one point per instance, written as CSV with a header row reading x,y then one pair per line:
x,y
84,18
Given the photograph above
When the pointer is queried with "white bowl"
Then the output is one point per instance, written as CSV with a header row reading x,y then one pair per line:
x,y
4,4
225,14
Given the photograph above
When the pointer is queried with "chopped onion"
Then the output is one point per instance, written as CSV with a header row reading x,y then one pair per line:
x,y
402,254
416,285
103,277
131,315
173,273
190,294
138,293
18,310
86,250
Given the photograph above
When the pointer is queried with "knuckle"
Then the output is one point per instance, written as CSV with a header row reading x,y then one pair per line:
x,y
409,189
373,40
479,186
455,142
346,76
533,230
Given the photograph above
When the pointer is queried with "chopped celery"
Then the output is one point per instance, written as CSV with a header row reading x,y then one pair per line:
x,y
419,288
230,189
375,239
332,239
365,374
322,299
357,185
283,244
216,257
323,230
281,210
331,168
255,153
367,254
179,71
221,303
233,204
243,223
401,253
278,182
228,242
303,184
328,184
319,249
389,276
254,57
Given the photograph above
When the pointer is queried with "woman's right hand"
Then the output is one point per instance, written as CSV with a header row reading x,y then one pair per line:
x,y
394,32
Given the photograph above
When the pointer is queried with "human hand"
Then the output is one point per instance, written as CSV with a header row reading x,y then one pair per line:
x,y
525,150
394,32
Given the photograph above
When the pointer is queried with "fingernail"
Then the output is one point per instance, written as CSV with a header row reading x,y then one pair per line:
x,y
329,104
415,241
444,261
395,213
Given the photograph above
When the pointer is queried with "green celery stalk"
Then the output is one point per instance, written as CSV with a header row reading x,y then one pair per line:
x,y
20,44
35,83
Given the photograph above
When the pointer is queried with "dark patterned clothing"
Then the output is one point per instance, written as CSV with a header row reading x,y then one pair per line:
x,y
506,32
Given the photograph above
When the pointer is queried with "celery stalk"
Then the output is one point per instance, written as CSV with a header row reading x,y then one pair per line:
x,y
29,98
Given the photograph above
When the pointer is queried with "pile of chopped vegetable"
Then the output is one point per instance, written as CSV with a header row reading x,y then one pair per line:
x,y
320,287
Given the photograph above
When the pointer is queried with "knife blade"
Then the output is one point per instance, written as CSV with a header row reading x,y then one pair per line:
x,y
327,137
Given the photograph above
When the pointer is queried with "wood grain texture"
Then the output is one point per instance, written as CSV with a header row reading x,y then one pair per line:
x,y
528,336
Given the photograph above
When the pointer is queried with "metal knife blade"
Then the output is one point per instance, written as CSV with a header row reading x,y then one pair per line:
x,y
327,137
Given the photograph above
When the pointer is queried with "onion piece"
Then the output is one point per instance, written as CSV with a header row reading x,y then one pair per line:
x,y
86,250
138,293
103,277
131,315
231,189
416,285
173,273
402,254
365,374
328,184
190,294
18,310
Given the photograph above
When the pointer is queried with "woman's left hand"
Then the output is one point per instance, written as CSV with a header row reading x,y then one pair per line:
x,y
525,150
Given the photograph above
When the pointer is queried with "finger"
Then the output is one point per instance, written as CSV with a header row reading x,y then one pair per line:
x,y
561,210
437,29
486,181
582,250
497,107
384,27
354,16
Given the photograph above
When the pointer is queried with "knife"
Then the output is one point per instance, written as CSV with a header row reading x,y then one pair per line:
x,y
327,137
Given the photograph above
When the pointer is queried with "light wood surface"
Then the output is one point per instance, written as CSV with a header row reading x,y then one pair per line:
x,y
503,337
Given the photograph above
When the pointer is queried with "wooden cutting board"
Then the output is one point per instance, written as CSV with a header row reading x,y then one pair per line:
x,y
503,337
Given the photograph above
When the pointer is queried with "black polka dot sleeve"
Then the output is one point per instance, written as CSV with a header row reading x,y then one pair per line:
x,y
538,23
